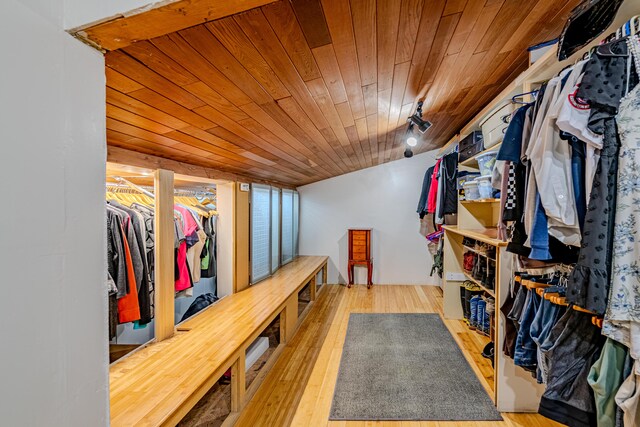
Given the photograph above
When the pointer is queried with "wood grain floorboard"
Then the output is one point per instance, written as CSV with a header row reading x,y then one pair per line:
x,y
299,388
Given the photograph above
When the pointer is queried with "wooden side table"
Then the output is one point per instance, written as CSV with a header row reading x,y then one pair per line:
x,y
360,253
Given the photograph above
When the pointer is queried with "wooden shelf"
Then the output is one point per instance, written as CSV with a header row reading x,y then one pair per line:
x,y
484,288
470,202
469,248
486,235
472,162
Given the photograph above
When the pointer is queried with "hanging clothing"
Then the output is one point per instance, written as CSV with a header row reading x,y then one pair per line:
x,y
128,308
573,121
116,265
512,143
183,276
448,176
545,319
424,194
542,105
550,159
605,378
209,269
433,188
628,398
508,175
574,346
112,292
149,239
193,256
139,257
622,320
589,283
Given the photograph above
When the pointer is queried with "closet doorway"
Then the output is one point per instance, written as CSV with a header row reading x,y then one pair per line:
x,y
144,306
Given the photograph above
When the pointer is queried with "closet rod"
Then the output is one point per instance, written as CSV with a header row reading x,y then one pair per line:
x,y
449,150
134,186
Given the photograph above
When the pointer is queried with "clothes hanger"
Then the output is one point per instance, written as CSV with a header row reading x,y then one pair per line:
x,y
193,203
520,95
631,27
597,321
530,284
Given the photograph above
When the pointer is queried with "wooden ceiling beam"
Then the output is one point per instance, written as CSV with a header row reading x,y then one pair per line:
x,y
145,23
133,158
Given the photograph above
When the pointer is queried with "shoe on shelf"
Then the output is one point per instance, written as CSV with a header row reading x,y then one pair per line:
x,y
488,351
473,319
480,315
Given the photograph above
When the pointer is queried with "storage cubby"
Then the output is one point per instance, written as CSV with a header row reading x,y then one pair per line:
x,y
258,354
304,299
214,407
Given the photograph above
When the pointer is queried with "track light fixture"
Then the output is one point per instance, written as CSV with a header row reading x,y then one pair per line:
x,y
417,119
410,137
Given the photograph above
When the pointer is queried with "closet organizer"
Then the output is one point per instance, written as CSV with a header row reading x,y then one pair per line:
x,y
131,263
564,231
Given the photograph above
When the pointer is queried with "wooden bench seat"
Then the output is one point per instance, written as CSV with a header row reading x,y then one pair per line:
x,y
160,383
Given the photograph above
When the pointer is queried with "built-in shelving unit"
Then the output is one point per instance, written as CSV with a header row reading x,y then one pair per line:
x,y
469,248
480,201
472,162
483,287
486,235
514,389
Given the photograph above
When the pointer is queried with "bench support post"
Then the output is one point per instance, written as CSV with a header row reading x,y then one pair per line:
x,y
238,383
313,288
289,321
325,274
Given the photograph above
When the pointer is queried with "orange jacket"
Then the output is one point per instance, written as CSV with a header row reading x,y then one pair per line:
x,y
128,307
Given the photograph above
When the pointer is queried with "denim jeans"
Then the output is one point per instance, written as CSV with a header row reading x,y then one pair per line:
x,y
526,354
578,153
546,318
539,237
515,314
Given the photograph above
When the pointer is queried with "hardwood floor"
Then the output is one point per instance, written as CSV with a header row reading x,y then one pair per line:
x,y
299,388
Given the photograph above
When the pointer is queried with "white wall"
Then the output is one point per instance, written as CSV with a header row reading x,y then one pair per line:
x,y
53,365
82,12
384,198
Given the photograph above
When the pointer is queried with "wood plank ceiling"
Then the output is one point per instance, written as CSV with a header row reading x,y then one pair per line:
x,y
297,91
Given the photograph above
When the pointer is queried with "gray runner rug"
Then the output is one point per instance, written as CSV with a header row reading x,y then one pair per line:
x,y
406,367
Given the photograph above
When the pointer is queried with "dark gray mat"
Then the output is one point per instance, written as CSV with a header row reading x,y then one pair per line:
x,y
406,367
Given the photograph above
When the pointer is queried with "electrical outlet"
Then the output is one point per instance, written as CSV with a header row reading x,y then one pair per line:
x,y
456,277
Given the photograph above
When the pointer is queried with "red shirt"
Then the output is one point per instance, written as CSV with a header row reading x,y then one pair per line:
x,y
433,189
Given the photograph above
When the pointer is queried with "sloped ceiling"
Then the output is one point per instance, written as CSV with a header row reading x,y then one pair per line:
x,y
296,91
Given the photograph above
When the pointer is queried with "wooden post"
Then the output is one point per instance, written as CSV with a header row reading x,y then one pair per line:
x,y
164,253
325,273
290,317
241,241
238,383
313,287
283,326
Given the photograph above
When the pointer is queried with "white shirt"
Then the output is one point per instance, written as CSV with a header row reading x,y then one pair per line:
x,y
574,119
550,159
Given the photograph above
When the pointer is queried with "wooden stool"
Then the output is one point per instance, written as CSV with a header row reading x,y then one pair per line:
x,y
360,253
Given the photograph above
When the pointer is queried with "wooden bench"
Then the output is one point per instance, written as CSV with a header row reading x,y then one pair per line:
x,y
159,384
